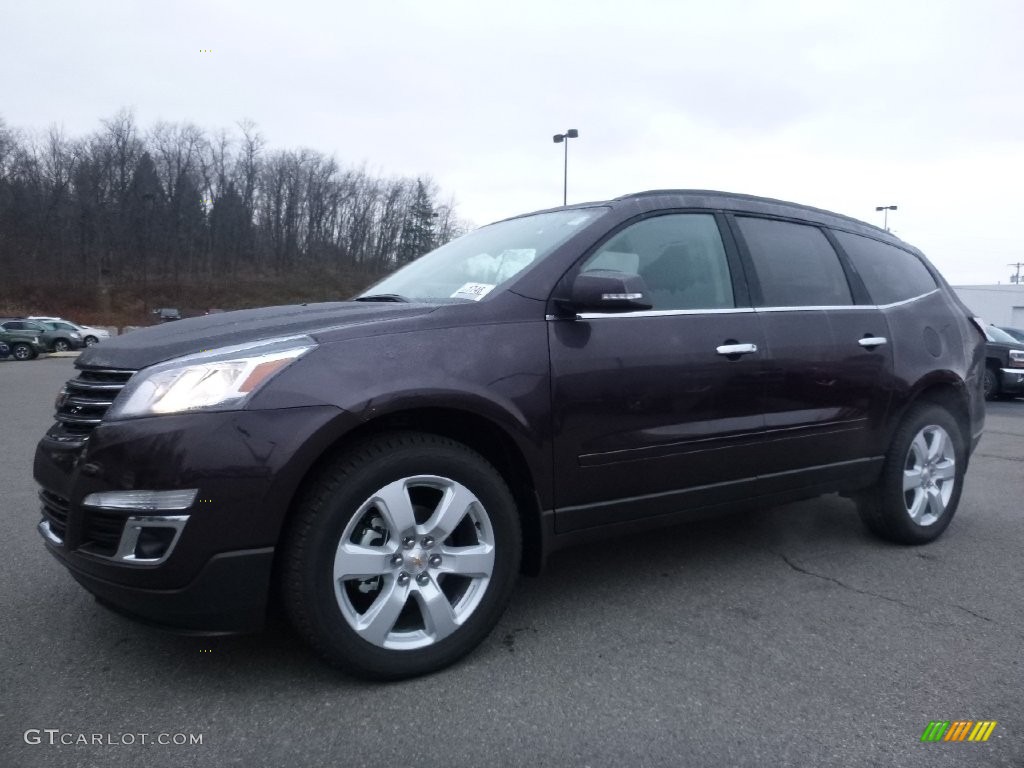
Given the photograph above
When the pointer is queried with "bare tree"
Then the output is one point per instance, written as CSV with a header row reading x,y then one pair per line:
x,y
175,204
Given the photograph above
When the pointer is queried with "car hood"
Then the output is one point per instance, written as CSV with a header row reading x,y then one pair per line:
x,y
148,346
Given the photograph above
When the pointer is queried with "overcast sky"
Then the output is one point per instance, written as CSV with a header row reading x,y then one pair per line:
x,y
841,105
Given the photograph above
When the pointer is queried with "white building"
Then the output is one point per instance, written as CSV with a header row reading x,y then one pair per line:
x,y
995,304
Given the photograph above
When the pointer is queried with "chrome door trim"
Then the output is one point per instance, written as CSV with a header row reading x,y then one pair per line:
x,y
737,310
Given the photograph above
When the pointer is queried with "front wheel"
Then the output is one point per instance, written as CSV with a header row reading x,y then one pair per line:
x,y
61,345
402,556
918,491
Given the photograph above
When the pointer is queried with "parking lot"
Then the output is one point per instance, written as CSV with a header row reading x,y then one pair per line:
x,y
786,637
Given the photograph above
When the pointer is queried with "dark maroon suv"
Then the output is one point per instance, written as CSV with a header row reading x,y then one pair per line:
x,y
385,467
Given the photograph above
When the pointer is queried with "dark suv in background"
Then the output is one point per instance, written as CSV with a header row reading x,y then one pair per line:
x,y
386,466
22,344
1004,364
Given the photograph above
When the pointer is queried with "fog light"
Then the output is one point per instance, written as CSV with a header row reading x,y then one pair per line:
x,y
143,500
149,539
154,542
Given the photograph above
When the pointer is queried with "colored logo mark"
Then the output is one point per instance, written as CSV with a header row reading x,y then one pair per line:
x,y
959,730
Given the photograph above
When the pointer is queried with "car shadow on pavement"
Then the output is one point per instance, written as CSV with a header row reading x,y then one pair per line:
x,y
720,551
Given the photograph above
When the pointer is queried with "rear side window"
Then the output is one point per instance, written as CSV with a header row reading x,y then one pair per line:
x,y
680,257
795,264
890,274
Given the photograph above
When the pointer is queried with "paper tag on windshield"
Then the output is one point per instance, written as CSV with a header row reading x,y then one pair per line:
x,y
473,291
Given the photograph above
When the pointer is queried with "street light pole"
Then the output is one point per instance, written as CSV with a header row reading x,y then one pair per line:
x,y
886,208
563,138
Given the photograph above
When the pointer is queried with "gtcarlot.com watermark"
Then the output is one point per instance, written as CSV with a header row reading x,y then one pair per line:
x,y
56,736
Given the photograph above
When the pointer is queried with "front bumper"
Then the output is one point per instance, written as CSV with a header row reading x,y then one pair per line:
x,y
1011,381
216,576
228,595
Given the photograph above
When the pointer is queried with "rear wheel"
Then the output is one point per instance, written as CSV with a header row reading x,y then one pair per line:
x,y
918,491
61,345
22,352
91,340
402,556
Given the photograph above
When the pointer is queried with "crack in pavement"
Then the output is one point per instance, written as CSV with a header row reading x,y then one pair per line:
x,y
844,585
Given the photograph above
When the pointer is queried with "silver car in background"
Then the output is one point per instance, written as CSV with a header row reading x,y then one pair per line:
x,y
90,335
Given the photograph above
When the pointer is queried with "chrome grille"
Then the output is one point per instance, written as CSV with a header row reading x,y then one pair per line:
x,y
84,400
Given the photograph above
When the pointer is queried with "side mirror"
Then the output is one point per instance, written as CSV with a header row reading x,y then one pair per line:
x,y
606,289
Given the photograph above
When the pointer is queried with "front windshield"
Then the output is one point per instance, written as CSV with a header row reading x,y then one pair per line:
x,y
469,268
995,334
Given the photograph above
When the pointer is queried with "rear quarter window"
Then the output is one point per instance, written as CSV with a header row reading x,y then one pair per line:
x,y
795,264
889,273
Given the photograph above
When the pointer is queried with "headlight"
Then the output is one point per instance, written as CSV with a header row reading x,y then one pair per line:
x,y
1016,358
220,379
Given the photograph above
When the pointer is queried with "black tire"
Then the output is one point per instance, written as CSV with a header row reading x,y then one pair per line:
x,y
91,340
327,509
886,507
990,384
61,345
22,352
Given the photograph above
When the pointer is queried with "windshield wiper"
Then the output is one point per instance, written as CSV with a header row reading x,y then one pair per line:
x,y
384,297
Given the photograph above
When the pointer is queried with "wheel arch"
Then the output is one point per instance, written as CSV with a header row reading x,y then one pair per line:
x,y
478,432
946,390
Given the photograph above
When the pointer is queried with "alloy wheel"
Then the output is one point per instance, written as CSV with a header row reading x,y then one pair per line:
x,y
414,562
929,475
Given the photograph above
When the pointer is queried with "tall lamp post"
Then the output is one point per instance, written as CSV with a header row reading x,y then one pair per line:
x,y
147,206
886,208
563,138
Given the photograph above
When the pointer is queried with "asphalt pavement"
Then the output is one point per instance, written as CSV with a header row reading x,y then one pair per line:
x,y
786,637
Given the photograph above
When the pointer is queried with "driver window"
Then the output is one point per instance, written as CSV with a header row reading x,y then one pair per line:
x,y
679,256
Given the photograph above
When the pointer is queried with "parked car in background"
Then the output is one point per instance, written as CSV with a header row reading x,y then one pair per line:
x,y
89,334
1004,364
1017,333
166,314
54,339
386,466
23,345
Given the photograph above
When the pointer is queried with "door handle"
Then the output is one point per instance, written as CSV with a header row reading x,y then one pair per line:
x,y
736,349
873,341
